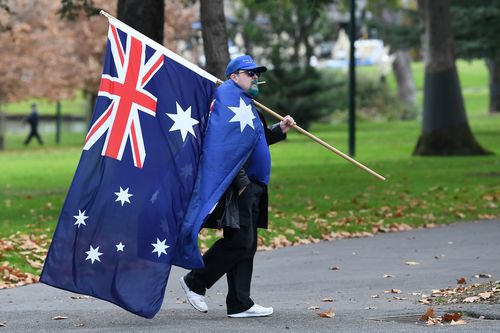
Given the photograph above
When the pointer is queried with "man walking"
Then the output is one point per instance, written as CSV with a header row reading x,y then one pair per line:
x,y
33,120
243,207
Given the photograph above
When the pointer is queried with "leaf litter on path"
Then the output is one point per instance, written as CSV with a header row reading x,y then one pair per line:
x,y
432,319
477,293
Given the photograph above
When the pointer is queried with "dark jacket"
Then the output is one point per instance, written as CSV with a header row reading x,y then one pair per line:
x,y
32,119
226,213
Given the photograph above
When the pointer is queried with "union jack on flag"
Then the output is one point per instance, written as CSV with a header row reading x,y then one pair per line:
x,y
126,91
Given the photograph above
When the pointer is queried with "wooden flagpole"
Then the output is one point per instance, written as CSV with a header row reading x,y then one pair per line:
x,y
321,142
266,109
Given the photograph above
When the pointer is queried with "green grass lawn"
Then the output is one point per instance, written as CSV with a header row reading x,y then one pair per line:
x,y
313,192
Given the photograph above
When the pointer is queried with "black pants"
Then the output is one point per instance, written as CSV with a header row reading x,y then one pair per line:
x,y
33,133
233,255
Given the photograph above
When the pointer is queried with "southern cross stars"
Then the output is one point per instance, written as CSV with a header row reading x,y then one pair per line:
x,y
123,196
160,247
93,254
80,218
243,114
119,247
183,121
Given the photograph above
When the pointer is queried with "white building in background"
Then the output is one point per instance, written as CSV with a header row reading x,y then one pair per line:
x,y
368,52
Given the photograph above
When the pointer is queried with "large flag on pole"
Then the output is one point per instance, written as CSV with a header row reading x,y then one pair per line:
x,y
118,230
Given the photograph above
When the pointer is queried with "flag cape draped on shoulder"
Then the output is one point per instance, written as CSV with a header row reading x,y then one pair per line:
x,y
118,230
230,137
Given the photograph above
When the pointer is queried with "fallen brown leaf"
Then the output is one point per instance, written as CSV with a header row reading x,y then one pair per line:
x,y
471,299
436,293
451,316
428,314
486,216
433,321
485,295
392,291
327,314
461,280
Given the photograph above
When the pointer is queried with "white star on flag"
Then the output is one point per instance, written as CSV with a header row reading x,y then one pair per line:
x,y
93,254
182,121
123,195
119,247
80,218
243,114
187,171
160,247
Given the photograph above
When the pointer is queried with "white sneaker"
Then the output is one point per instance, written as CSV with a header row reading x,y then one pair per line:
x,y
196,300
255,311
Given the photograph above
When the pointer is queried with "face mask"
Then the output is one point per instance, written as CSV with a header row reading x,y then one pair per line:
x,y
254,89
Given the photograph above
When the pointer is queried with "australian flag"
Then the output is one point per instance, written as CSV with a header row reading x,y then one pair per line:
x,y
118,231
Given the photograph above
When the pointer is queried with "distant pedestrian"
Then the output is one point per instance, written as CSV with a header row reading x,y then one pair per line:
x,y
33,120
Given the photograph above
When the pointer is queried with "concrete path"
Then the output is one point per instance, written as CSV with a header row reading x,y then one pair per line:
x,y
294,279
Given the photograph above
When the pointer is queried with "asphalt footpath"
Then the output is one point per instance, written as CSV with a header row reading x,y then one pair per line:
x,y
299,283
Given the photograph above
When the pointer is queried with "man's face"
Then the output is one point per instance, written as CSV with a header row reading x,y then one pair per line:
x,y
247,80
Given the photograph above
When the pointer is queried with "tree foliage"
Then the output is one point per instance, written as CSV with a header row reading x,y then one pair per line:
x,y
396,26
4,15
45,56
71,9
42,56
476,26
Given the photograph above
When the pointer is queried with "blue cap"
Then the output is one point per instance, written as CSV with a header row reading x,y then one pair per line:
x,y
243,62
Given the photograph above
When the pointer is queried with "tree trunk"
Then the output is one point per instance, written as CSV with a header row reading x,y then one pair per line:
x,y
404,77
213,29
145,16
92,102
494,73
247,41
3,126
445,128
